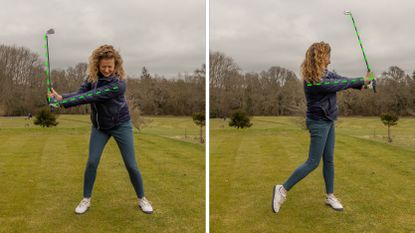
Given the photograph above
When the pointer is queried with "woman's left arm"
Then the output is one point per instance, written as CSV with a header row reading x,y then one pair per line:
x,y
355,83
100,94
85,86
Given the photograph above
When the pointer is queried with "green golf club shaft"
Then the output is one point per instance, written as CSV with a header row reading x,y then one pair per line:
x,y
360,42
48,82
371,78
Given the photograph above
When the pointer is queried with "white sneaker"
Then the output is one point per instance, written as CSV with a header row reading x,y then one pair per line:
x,y
145,205
332,201
277,198
83,206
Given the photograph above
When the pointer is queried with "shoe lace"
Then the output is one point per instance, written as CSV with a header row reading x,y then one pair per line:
x,y
284,196
334,199
83,203
145,202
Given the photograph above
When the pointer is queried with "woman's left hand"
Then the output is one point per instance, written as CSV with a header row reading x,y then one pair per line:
x,y
55,95
367,79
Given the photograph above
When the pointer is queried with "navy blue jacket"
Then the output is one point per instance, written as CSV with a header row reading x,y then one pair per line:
x,y
109,108
321,97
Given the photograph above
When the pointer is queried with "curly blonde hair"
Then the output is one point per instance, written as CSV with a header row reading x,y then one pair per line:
x,y
104,52
315,62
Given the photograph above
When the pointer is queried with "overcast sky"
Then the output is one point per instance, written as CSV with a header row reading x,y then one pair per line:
x,y
166,36
261,34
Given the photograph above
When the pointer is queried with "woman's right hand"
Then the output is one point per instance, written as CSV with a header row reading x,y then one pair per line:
x,y
367,78
55,95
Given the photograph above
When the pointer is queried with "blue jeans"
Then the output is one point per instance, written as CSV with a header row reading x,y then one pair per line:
x,y
123,135
322,135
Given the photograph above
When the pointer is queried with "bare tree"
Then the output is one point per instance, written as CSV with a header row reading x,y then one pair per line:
x,y
223,71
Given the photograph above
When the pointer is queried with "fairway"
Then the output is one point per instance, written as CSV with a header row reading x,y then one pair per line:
x,y
42,169
373,179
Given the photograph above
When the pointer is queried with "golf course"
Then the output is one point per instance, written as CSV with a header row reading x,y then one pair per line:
x,y
373,179
42,171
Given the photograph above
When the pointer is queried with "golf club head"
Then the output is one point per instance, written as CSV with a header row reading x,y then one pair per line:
x,y
347,12
50,31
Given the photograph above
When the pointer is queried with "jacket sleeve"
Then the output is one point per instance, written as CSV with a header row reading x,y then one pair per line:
x,y
334,83
86,86
100,94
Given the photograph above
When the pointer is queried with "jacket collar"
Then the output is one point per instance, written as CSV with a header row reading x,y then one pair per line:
x,y
110,78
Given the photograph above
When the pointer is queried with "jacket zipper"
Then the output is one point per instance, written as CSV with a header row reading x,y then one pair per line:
x,y
96,116
95,106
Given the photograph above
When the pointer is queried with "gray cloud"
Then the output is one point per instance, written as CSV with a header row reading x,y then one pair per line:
x,y
167,37
260,34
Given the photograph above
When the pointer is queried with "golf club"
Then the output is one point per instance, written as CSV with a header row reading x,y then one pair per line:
x,y
47,63
363,51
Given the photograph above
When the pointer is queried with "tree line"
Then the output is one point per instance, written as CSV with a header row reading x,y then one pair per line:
x,y
23,87
278,91
275,91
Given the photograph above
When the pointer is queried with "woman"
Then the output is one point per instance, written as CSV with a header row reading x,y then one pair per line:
x,y
320,87
104,89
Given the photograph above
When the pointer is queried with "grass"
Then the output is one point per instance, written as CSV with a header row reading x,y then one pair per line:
x,y
41,172
373,179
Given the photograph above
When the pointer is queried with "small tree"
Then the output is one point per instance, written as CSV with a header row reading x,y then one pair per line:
x,y
389,119
145,74
45,118
240,119
135,113
199,119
